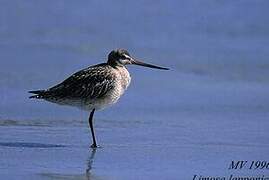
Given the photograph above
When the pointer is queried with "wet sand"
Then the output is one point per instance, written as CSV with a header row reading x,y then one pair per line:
x,y
134,149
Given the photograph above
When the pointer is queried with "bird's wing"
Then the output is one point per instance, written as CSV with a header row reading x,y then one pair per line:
x,y
92,82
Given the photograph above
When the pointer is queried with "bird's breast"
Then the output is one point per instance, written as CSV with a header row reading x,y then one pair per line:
x,y
121,83
124,78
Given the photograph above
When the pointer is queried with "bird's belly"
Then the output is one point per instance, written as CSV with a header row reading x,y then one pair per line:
x,y
90,104
108,99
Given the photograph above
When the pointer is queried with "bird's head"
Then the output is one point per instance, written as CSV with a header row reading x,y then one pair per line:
x,y
121,57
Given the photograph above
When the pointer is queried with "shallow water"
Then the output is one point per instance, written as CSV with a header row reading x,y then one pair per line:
x,y
212,107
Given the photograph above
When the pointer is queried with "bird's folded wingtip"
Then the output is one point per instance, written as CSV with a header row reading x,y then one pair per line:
x,y
37,92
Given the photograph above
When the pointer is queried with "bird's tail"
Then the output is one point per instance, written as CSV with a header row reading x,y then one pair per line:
x,y
38,94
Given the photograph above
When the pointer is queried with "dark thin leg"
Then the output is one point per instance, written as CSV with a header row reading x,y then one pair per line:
x,y
94,145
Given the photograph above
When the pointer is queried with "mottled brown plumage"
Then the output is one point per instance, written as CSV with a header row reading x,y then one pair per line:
x,y
94,87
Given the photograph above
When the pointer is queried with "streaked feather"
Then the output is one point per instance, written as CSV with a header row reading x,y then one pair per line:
x,y
95,87
92,82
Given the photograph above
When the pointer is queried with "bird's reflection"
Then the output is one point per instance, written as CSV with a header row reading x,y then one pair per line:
x,y
90,163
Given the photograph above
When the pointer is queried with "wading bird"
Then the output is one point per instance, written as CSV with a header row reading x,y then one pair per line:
x,y
94,87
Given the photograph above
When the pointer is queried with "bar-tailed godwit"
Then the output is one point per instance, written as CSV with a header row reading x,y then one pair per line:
x,y
94,87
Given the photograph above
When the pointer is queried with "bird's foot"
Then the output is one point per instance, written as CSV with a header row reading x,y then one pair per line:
x,y
93,146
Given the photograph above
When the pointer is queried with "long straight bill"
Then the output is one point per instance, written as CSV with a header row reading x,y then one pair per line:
x,y
140,63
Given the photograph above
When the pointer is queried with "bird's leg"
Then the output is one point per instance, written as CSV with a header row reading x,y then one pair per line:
x,y
94,145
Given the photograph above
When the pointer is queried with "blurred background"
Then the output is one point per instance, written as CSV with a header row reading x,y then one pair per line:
x,y
215,95
209,45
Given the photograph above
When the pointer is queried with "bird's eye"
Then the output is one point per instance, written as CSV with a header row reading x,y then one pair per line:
x,y
125,57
